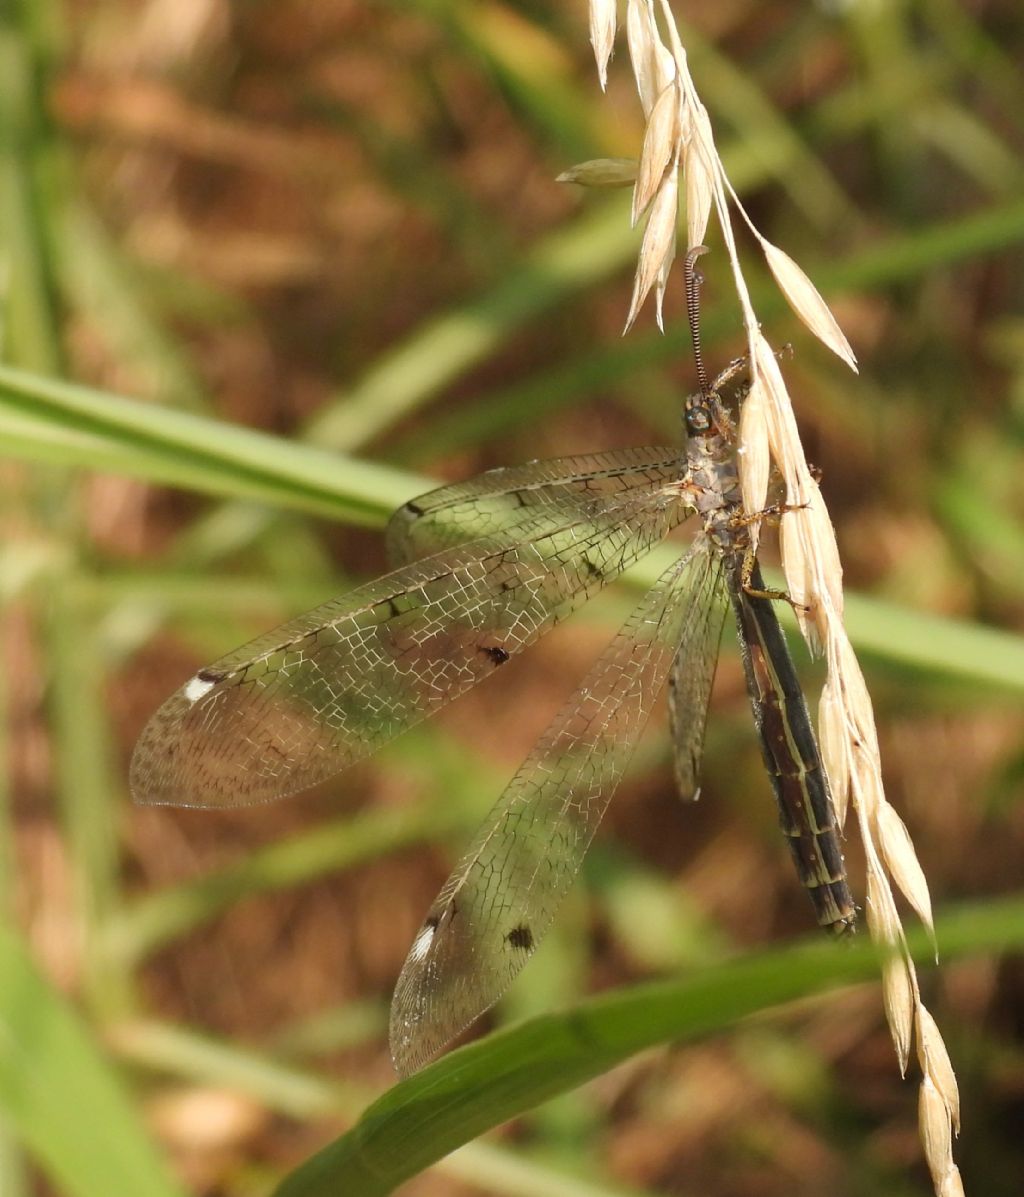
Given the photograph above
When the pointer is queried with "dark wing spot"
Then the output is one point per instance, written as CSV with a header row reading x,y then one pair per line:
x,y
413,509
520,937
432,922
495,653
593,571
211,675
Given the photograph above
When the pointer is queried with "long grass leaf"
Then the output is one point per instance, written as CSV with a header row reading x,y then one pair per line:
x,y
75,425
477,1087
62,1096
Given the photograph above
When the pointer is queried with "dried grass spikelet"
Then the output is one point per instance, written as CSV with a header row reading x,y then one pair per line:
x,y
754,449
902,863
809,553
660,148
603,22
698,163
935,1064
661,282
653,65
899,978
934,1127
803,297
679,137
659,241
835,754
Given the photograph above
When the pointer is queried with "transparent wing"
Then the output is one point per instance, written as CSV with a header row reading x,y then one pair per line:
x,y
502,896
308,699
691,679
499,501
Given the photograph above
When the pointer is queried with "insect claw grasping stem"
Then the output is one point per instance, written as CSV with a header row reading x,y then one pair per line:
x,y
744,520
763,592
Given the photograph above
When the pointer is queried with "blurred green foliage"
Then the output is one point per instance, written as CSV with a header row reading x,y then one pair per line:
x,y
265,264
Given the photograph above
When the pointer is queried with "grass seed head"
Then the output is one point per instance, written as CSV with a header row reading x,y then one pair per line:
x,y
679,137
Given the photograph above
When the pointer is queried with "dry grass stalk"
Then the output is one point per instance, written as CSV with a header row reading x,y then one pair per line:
x,y
679,137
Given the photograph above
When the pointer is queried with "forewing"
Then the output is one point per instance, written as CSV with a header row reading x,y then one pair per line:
x,y
308,699
692,677
501,898
498,502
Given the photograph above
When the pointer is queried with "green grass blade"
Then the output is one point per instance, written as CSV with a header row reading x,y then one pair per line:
x,y
28,320
479,1086
961,651
74,425
13,1178
85,777
62,1097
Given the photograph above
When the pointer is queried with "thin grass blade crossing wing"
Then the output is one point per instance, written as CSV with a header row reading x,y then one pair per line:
x,y
502,896
308,699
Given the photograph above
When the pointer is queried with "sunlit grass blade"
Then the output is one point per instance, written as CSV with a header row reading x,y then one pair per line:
x,y
28,318
938,644
84,780
13,1178
490,1081
479,1086
63,1097
961,651
61,422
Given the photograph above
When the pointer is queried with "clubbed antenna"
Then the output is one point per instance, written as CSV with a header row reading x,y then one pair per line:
x,y
693,279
